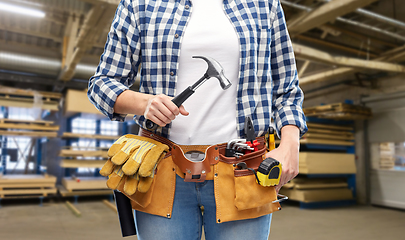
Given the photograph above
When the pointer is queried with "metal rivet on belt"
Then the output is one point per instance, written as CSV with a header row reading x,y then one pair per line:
x,y
216,158
279,208
168,215
216,174
188,171
219,220
203,171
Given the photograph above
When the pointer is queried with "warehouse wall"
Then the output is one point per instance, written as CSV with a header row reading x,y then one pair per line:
x,y
387,125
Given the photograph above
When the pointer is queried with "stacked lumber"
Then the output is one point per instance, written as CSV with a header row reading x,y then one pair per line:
x,y
317,190
67,135
326,163
14,97
83,157
12,186
328,134
31,128
387,155
84,183
339,111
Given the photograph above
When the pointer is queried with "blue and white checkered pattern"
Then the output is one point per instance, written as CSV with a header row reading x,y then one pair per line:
x,y
150,32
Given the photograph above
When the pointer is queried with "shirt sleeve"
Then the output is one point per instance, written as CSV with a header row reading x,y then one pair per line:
x,y
287,95
119,62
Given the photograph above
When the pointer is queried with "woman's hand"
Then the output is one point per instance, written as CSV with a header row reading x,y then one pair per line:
x,y
161,110
158,108
287,154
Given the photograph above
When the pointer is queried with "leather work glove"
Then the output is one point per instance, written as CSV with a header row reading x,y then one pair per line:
x,y
133,159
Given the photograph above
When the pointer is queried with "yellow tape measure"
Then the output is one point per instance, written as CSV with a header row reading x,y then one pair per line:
x,y
268,173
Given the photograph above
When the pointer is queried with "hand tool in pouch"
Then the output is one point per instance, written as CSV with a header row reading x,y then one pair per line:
x,y
125,215
270,141
250,135
214,70
269,171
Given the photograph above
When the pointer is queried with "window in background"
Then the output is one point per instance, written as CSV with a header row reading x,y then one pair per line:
x,y
109,128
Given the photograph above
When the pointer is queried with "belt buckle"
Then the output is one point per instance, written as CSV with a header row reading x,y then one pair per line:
x,y
194,156
195,178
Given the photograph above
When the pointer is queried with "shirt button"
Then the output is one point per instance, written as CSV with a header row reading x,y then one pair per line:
x,y
176,36
172,73
187,6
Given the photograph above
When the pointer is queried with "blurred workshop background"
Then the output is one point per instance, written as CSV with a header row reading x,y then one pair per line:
x,y
350,56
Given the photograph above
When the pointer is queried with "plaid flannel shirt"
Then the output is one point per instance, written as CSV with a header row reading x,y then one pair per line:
x,y
150,32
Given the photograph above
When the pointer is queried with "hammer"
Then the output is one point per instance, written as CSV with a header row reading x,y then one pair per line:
x,y
214,70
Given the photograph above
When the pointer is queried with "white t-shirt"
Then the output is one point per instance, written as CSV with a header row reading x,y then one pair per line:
x,y
212,110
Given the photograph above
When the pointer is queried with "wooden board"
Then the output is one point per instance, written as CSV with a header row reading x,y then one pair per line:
x,y
339,116
24,185
82,153
302,183
317,195
40,122
27,178
29,134
27,185
329,127
328,136
326,142
339,111
65,193
84,183
82,148
91,136
29,191
330,132
27,103
9,91
68,163
24,126
326,163
77,102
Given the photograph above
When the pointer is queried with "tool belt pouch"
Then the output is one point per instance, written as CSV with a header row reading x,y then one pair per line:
x,y
248,193
159,199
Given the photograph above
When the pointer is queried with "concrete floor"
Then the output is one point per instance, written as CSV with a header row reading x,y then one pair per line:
x,y
22,220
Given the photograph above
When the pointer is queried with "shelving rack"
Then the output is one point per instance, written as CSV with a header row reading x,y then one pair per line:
x,y
75,157
327,166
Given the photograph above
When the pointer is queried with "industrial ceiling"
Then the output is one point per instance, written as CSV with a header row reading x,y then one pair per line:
x,y
332,39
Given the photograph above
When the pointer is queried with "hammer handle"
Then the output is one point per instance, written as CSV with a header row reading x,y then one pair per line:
x,y
125,214
178,100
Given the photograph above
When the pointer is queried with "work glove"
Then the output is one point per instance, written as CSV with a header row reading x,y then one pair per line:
x,y
133,159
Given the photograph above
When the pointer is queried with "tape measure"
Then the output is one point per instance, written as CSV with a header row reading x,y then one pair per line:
x,y
268,173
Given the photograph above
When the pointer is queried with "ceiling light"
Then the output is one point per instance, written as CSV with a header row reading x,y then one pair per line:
x,y
21,10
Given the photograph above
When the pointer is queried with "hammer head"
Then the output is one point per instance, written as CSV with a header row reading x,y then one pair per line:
x,y
215,70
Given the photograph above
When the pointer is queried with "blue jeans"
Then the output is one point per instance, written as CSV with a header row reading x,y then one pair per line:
x,y
187,220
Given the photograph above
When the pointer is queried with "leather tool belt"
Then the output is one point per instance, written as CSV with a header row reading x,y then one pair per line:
x,y
237,194
197,171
